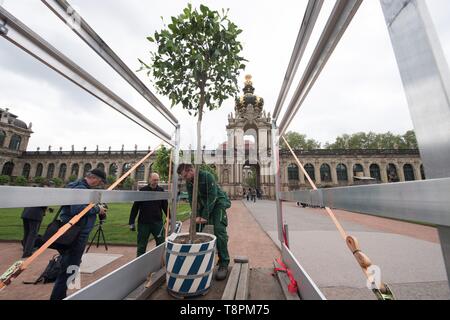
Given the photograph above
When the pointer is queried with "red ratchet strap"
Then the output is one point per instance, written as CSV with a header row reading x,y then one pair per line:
x,y
292,287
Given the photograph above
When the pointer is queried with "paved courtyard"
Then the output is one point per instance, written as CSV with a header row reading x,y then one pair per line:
x,y
409,255
245,239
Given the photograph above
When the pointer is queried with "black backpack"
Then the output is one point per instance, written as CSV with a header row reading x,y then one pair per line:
x,y
51,271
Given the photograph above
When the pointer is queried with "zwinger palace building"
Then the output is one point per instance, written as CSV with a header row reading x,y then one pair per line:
x,y
249,129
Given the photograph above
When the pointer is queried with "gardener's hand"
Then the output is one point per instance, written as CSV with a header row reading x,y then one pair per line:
x,y
132,227
200,220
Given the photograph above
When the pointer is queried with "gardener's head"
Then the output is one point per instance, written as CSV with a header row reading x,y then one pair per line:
x,y
154,179
186,171
95,178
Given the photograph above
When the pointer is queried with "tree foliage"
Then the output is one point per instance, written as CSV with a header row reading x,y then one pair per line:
x,y
39,180
373,140
197,61
4,179
21,181
161,164
196,65
57,181
299,141
128,184
110,179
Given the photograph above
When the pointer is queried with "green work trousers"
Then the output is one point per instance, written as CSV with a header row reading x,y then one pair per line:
x,y
218,218
143,234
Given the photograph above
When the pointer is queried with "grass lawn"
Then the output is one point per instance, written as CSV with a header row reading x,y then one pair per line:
x,y
116,227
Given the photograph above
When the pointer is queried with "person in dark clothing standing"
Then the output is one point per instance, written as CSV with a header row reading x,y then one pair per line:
x,y
72,257
150,217
32,219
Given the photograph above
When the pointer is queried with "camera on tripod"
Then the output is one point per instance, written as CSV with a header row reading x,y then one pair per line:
x,y
102,217
99,233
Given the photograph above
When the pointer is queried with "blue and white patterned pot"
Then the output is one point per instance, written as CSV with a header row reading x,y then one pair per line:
x,y
189,267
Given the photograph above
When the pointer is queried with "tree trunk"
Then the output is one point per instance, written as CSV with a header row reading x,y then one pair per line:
x,y
192,227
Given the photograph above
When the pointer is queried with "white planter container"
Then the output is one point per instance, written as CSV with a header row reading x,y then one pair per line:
x,y
189,267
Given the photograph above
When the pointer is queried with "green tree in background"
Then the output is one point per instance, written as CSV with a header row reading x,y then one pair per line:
x,y
4,180
58,182
39,180
371,140
21,181
110,179
299,141
161,164
128,184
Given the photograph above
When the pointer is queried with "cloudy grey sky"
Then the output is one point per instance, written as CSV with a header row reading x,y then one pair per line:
x,y
359,90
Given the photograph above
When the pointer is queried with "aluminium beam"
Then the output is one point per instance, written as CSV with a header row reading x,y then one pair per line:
x,y
20,197
426,80
118,284
176,161
68,14
340,18
309,20
306,286
425,201
276,167
23,37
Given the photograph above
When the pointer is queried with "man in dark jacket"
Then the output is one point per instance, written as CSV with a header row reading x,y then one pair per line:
x,y
72,257
150,217
32,218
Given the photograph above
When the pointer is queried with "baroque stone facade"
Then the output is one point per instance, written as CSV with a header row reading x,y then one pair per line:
x,y
248,147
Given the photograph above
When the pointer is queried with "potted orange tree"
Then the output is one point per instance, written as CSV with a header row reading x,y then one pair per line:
x,y
196,64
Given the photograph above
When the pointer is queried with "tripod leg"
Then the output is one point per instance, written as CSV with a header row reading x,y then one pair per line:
x,y
92,241
99,230
104,240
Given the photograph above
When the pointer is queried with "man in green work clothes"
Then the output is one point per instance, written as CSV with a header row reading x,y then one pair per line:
x,y
212,205
150,217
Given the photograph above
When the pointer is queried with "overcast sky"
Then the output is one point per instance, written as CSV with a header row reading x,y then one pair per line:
x,y
359,90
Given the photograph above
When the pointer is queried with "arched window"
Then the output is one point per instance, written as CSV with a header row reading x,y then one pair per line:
x,y
293,172
101,166
375,171
39,169
14,144
140,173
310,170
62,171
86,169
126,167
341,171
8,169
51,170
113,169
226,178
422,172
392,173
26,170
357,168
2,138
325,173
75,169
408,170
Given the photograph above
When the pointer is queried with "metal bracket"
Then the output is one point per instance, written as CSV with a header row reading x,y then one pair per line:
x,y
388,295
3,28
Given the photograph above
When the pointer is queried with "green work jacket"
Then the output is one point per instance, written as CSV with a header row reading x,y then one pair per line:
x,y
210,196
